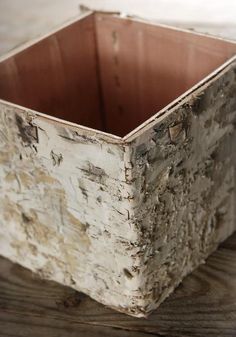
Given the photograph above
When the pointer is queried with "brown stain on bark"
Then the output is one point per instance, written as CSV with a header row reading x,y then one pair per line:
x,y
35,230
4,158
11,211
57,158
27,131
41,177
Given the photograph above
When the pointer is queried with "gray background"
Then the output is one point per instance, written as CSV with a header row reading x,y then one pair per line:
x,y
22,20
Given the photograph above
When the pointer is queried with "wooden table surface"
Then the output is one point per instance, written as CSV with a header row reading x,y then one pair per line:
x,y
203,305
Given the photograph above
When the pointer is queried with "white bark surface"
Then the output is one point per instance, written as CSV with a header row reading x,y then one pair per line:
x,y
64,208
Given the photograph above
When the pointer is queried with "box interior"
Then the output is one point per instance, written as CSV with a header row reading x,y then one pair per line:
x,y
109,73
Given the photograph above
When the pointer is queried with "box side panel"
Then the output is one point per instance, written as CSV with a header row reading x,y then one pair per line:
x,y
144,67
57,75
184,186
64,206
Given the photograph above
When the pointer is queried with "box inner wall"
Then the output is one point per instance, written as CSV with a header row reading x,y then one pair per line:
x,y
109,73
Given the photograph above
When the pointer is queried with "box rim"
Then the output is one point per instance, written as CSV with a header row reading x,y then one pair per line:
x,y
179,101
148,123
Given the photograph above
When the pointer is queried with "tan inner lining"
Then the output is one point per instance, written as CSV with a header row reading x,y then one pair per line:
x,y
109,73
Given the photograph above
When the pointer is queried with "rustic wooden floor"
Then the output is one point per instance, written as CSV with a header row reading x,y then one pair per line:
x,y
203,305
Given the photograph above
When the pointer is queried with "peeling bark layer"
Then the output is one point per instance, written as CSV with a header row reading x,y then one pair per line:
x,y
183,176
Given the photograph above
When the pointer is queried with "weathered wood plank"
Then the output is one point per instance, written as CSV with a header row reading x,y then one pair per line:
x,y
53,328
204,305
32,307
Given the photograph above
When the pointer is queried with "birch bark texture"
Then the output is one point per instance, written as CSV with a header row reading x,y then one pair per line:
x,y
122,219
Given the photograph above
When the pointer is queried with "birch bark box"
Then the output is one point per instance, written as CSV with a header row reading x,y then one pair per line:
x,y
117,156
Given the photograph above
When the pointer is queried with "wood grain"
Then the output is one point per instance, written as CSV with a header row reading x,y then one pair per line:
x,y
203,305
